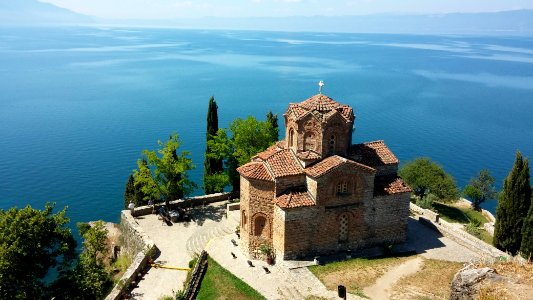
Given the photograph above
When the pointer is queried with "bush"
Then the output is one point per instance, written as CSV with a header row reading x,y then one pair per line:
x,y
426,201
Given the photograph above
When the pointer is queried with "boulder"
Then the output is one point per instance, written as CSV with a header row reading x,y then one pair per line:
x,y
466,283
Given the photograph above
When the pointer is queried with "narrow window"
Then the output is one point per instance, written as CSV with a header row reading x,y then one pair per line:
x,y
243,219
291,138
260,226
331,144
343,228
342,188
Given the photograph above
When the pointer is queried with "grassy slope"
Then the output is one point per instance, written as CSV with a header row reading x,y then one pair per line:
x,y
219,283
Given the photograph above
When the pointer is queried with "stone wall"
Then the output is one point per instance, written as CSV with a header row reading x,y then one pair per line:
x,y
460,236
388,217
188,202
139,245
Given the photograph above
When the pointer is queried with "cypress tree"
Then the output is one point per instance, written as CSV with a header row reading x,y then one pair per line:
x,y
526,248
211,165
273,120
129,191
513,207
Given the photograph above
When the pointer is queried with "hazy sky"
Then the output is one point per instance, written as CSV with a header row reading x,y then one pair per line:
x,y
162,9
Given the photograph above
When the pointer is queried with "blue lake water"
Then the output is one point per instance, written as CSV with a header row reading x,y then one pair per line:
x,y
77,105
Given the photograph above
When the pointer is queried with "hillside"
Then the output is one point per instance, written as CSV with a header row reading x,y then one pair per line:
x,y
32,12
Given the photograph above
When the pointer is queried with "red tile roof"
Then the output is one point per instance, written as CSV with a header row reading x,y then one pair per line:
x,y
374,154
386,185
308,155
397,186
283,163
322,104
330,163
294,199
255,170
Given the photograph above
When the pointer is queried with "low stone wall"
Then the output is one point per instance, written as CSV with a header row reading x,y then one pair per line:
x,y
188,202
451,231
138,244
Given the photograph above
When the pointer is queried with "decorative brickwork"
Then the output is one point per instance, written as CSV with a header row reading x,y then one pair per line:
x,y
316,193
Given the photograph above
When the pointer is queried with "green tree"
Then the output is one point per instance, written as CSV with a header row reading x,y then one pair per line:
x,y
132,192
480,189
273,120
513,205
526,246
164,177
31,242
89,279
248,137
213,167
425,177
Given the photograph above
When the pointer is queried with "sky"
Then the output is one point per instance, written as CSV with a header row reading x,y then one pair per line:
x,y
168,9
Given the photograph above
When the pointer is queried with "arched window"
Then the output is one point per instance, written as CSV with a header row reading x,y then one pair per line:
x,y
309,141
261,227
331,148
291,137
343,228
243,219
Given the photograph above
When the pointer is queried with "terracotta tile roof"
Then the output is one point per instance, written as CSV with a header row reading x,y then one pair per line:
x,y
294,199
268,152
330,163
283,163
255,170
319,102
374,154
308,155
322,106
390,185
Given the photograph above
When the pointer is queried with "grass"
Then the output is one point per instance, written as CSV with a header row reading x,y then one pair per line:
x,y
355,274
432,281
219,283
464,215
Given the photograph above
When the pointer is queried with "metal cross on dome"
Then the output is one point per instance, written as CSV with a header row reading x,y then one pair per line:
x,y
320,86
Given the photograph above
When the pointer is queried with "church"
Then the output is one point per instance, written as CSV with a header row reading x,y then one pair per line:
x,y
317,193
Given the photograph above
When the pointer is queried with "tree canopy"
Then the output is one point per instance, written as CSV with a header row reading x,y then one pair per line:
x,y
526,246
213,168
31,242
513,206
164,175
427,177
248,137
480,189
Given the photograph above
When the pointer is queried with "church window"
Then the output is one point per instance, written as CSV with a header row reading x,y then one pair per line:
x,y
343,228
309,141
342,187
261,226
291,137
243,217
331,149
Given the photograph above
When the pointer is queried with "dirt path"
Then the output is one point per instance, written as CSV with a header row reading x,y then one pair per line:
x,y
383,286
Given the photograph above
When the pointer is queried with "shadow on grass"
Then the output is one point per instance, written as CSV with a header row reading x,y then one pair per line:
x,y
450,213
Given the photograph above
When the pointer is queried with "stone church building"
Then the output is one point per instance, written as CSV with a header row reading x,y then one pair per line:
x,y
316,193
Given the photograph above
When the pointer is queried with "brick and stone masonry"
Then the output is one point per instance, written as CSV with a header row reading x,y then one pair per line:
x,y
316,193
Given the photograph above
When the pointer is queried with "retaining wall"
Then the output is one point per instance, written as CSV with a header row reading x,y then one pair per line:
x,y
188,202
139,245
450,230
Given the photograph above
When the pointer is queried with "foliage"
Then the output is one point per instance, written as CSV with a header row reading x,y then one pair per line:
x,y
526,246
273,120
164,177
425,177
427,201
266,250
248,137
132,192
213,183
473,228
89,279
513,205
480,189
31,242
219,283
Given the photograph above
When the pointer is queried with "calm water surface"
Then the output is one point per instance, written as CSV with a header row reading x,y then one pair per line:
x,y
77,105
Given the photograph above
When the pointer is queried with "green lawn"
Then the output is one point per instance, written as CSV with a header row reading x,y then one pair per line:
x,y
463,215
219,283
456,214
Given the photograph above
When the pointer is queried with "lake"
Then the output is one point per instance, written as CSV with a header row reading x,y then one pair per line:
x,y
79,104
